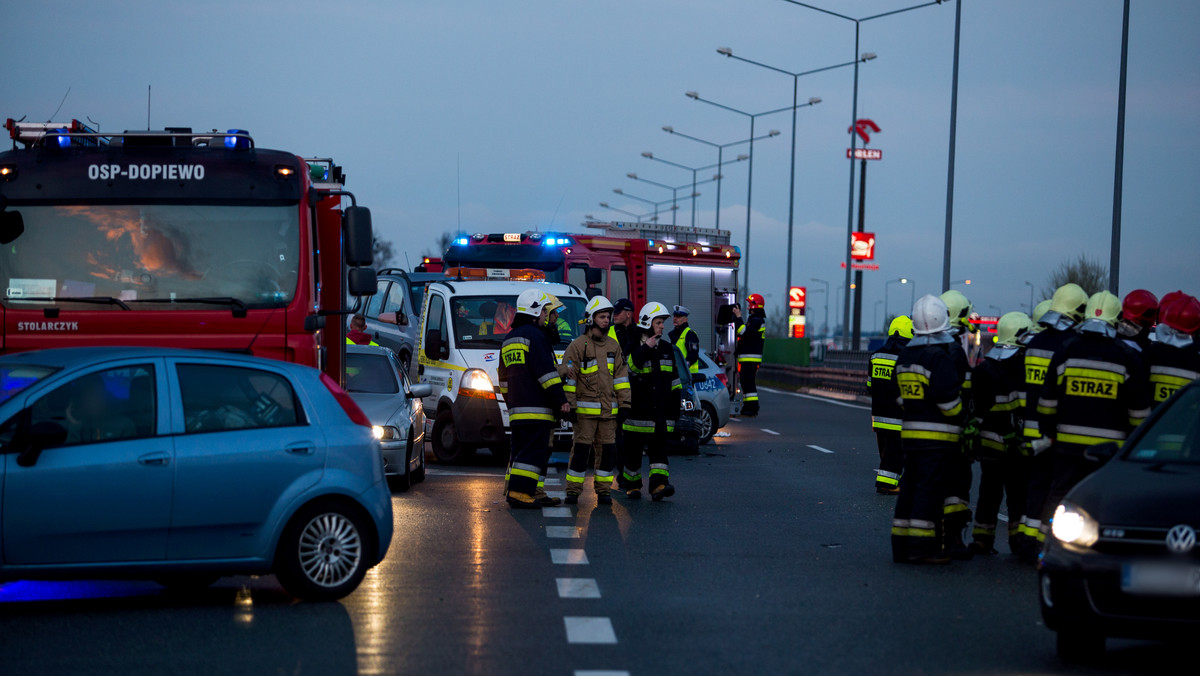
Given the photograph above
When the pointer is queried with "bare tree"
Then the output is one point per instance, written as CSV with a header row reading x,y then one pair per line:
x,y
382,253
443,242
1090,275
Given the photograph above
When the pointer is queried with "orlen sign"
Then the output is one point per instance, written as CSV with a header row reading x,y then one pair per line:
x,y
862,246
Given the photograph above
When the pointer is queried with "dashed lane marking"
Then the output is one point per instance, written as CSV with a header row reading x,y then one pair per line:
x,y
556,512
818,448
769,431
557,494
593,672
815,398
431,471
577,588
593,630
563,532
569,557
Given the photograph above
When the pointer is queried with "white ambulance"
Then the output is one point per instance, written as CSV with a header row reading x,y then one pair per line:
x,y
464,320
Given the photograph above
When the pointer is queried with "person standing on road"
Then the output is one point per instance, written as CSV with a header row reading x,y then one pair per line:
x,y
749,350
1066,310
930,386
625,333
597,385
684,338
996,391
957,508
655,404
886,411
1173,360
1096,390
1139,311
534,394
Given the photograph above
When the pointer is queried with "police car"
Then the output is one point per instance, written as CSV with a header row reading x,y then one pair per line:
x,y
464,320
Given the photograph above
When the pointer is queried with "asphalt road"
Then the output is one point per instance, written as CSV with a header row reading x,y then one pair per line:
x,y
773,557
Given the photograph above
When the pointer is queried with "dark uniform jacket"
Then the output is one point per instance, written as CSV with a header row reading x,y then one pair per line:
x,y
690,347
1096,390
1170,368
751,338
529,381
930,387
655,386
886,412
995,390
1038,353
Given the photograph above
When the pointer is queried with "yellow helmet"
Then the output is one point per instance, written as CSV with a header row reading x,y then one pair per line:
x,y
1040,309
1103,306
959,308
1011,327
901,326
554,303
1070,300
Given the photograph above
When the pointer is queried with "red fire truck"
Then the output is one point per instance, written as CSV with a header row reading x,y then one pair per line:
x,y
693,267
178,239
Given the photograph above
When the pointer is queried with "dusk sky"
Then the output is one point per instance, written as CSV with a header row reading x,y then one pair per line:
x,y
537,109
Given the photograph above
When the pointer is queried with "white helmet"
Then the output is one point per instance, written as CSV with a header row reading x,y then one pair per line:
x,y
649,312
930,316
532,301
597,304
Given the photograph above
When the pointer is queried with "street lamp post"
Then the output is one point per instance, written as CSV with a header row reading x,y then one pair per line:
x,y
1030,285
674,189
651,156
606,205
902,280
825,332
642,199
750,178
876,315
726,51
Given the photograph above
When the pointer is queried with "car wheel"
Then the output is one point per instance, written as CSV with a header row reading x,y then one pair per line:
x,y
401,482
1079,647
324,552
708,422
187,583
446,446
418,474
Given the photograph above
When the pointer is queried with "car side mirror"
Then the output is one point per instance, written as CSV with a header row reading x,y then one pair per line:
x,y
1102,453
699,378
421,391
361,281
43,435
401,318
592,276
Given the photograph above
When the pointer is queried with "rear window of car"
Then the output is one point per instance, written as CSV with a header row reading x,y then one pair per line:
x,y
1174,436
370,373
217,398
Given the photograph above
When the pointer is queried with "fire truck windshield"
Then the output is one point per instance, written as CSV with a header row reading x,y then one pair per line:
x,y
483,321
156,256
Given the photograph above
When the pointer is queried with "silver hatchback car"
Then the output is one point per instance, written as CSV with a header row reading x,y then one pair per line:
x,y
376,381
714,398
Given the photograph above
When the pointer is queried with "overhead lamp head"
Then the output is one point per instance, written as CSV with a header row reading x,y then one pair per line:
x,y
904,280
773,132
814,100
867,56
692,95
648,155
725,50
669,129
695,194
604,204
618,191
631,175
589,217
742,158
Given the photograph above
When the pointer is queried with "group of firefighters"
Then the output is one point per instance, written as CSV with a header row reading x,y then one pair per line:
x,y
1082,371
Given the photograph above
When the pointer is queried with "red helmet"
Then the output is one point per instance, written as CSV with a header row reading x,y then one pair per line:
x,y
1182,314
755,301
1140,307
1169,298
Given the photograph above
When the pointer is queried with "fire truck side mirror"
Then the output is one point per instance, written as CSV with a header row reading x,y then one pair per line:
x,y
593,276
356,231
12,224
361,281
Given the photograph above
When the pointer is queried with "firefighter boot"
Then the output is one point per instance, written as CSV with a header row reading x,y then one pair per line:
x,y
982,544
955,548
519,500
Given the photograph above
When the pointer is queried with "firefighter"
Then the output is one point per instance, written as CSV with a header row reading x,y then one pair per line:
x,y
996,388
749,350
1172,360
1096,390
957,506
1065,311
534,394
656,391
885,406
597,385
684,338
1139,312
930,385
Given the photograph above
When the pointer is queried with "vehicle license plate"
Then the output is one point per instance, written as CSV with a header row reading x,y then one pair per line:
x,y
1160,579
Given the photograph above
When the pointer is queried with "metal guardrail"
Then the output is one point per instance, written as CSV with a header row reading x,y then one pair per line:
x,y
842,371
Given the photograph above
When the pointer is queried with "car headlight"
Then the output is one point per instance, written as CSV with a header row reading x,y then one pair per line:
x,y
385,432
1074,526
476,383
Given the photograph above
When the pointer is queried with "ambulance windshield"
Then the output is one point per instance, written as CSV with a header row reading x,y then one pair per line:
x,y
156,253
483,321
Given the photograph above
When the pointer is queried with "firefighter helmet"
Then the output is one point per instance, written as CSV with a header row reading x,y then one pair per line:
x,y
532,302
1183,314
651,311
1169,298
901,326
597,304
554,303
1103,306
1140,307
930,316
755,302
1040,309
959,309
1070,300
1011,327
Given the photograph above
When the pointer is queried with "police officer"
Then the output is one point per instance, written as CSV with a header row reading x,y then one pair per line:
x,y
1095,391
1139,312
623,329
656,391
597,385
1172,360
930,387
684,338
885,406
1066,310
749,350
995,390
957,506
533,391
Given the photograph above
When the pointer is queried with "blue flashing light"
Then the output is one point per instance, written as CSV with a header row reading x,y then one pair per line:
x,y
63,141
237,142
461,241
556,241
651,242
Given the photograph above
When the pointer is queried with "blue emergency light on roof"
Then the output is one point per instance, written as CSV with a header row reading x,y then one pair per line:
x,y
62,140
556,241
461,241
237,142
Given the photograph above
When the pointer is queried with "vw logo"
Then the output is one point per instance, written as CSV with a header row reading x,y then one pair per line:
x,y
1181,539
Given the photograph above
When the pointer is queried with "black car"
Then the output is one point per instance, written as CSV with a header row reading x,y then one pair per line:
x,y
1123,560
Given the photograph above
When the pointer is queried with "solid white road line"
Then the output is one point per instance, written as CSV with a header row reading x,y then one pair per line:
x,y
769,431
577,588
815,398
569,557
818,448
556,512
562,532
433,471
589,630
593,672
